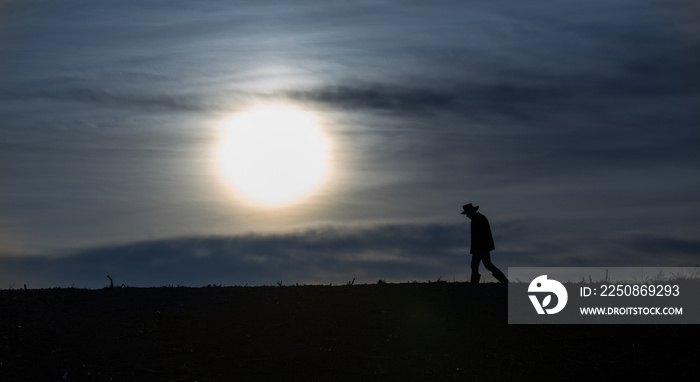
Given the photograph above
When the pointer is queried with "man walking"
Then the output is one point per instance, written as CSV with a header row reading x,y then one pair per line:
x,y
482,244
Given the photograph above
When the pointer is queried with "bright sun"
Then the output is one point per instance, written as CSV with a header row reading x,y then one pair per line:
x,y
273,155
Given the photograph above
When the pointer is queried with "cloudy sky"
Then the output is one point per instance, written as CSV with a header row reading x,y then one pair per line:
x,y
574,125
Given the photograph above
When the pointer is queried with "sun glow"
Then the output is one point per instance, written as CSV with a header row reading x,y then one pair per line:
x,y
273,155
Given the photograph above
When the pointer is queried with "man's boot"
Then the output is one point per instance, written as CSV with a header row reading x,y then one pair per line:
x,y
475,278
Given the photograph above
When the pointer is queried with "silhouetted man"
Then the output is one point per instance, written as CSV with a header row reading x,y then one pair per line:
x,y
482,244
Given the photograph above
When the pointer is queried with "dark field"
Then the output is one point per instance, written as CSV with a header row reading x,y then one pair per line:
x,y
382,332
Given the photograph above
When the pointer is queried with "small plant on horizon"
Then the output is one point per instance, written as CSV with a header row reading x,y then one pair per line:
x,y
381,282
351,282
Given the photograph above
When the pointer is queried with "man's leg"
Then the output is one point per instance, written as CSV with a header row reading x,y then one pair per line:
x,y
486,258
476,259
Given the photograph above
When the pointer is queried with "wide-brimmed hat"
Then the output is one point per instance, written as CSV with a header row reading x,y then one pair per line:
x,y
469,208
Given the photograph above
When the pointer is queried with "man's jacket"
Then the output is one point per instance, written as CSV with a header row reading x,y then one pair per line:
x,y
482,240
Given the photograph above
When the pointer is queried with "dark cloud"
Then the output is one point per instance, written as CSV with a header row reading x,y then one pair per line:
x,y
542,125
133,100
667,245
379,97
320,255
331,255
526,93
141,100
